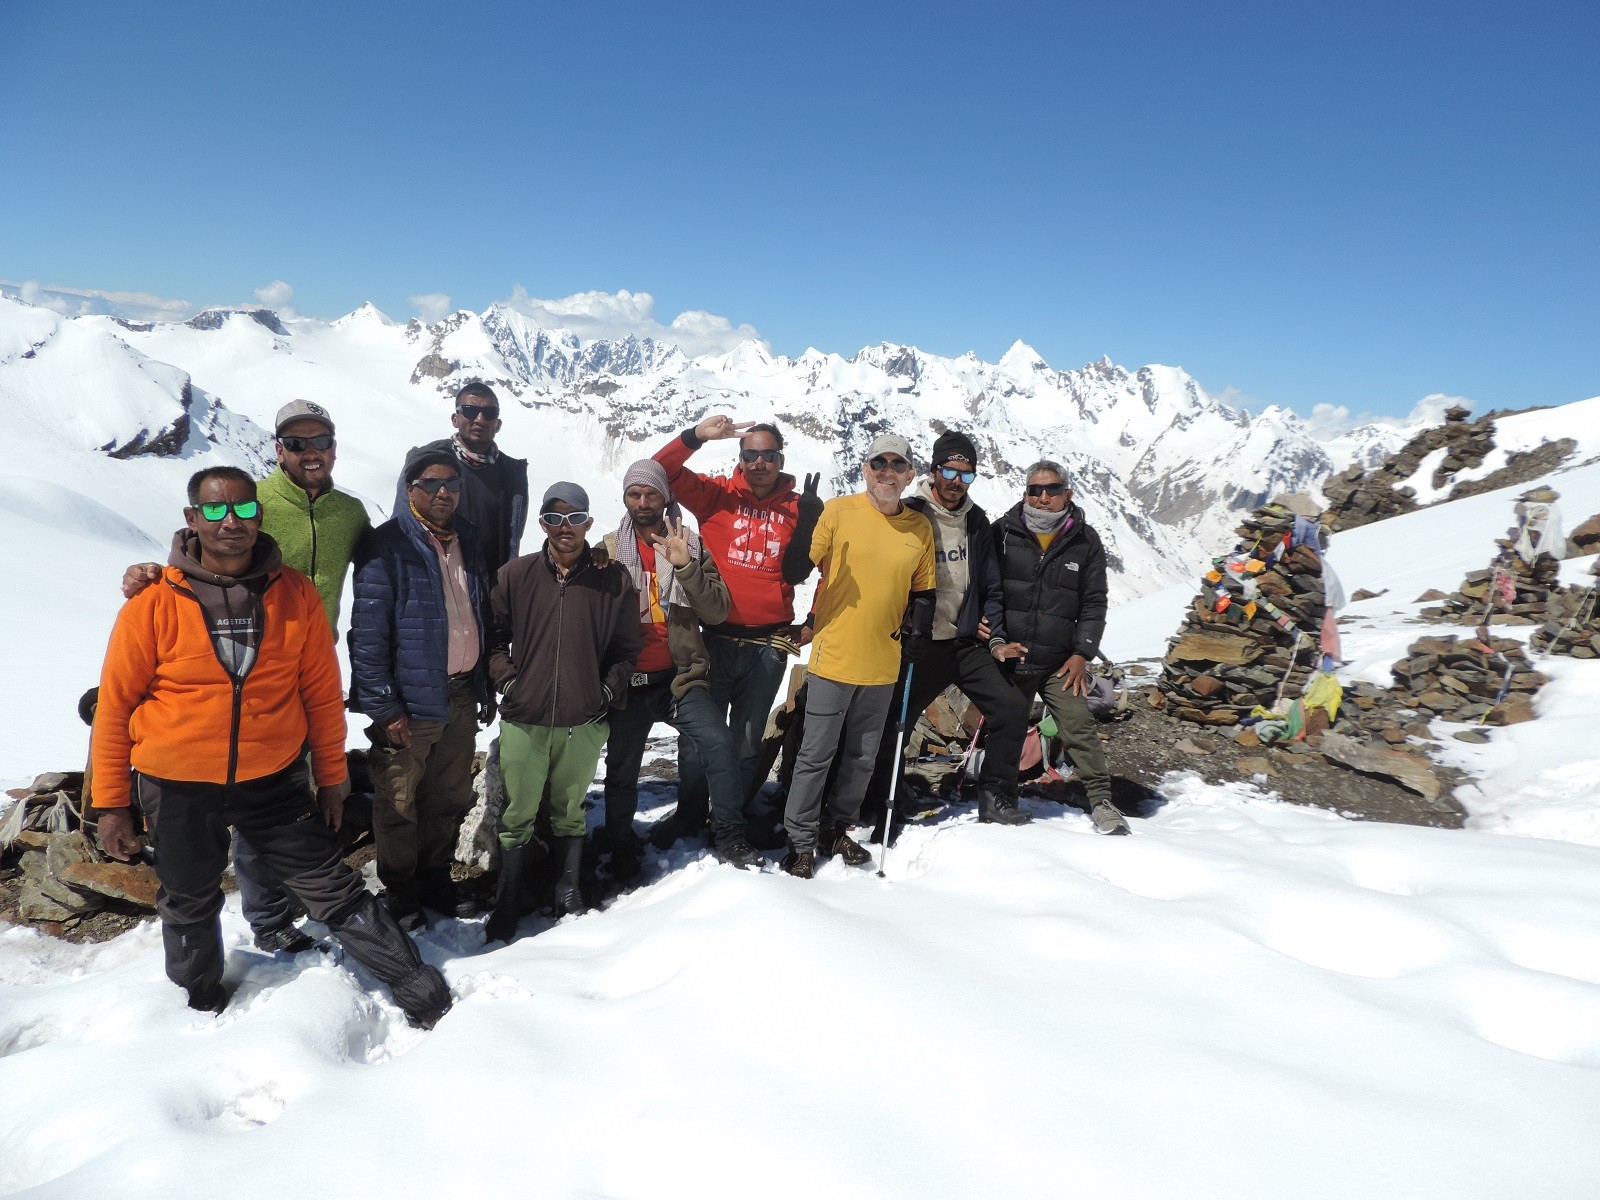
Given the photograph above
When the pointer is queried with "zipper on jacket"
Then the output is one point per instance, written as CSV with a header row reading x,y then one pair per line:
x,y
555,687
311,516
233,732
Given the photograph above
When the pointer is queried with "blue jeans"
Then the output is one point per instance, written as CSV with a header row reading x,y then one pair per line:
x,y
745,679
695,718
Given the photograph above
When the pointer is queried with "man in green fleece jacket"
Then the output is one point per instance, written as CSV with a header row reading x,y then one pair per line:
x,y
317,528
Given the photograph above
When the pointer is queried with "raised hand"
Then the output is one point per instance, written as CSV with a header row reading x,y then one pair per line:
x,y
719,428
675,545
810,503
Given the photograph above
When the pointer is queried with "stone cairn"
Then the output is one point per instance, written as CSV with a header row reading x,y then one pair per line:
x,y
1249,638
1572,616
1512,590
1464,679
65,878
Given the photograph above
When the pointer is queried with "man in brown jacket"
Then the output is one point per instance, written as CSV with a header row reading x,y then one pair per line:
x,y
678,588
563,639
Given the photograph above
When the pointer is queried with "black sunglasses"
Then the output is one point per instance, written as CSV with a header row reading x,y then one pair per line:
x,y
1046,489
299,445
473,411
750,456
883,462
555,520
953,473
432,486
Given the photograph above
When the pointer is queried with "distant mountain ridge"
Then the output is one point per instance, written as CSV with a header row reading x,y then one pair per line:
x,y
1161,467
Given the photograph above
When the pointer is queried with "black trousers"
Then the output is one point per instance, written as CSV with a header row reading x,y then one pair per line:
x,y
277,816
969,666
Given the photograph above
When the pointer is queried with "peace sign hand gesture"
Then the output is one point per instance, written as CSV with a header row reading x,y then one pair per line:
x,y
719,428
675,545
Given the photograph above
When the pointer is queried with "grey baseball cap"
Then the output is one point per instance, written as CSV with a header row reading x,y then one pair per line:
x,y
297,409
567,493
889,443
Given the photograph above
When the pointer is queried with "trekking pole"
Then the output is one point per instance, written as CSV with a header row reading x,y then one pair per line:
x,y
894,776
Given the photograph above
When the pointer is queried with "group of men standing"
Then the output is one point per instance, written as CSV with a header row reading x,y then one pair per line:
x,y
579,647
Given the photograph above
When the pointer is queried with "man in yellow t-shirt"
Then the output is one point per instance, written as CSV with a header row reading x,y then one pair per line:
x,y
876,557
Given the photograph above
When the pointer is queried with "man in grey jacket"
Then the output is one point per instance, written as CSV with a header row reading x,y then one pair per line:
x,y
564,636
678,587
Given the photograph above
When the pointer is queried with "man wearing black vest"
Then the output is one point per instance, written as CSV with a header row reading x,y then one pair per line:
x,y
1053,570
494,491
967,595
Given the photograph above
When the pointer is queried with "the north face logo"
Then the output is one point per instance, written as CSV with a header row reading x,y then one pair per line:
x,y
1072,566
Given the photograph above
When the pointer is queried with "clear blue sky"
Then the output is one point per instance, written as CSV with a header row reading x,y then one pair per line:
x,y
1351,203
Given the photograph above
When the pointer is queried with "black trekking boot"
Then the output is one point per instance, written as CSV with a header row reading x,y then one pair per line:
x,y
995,809
286,940
405,907
835,839
502,923
680,823
734,850
438,891
569,853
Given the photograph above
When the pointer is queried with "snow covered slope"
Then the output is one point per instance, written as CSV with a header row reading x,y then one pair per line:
x,y
1242,1000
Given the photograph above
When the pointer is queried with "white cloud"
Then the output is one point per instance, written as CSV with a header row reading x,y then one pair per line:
x,y
595,315
82,302
276,296
432,306
1430,409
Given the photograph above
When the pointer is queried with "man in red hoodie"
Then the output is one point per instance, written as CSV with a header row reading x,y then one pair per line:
x,y
747,520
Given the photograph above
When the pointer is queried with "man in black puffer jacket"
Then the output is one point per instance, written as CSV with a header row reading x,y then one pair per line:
x,y
418,669
1053,573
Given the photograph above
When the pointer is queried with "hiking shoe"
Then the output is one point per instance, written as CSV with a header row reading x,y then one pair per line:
x,y
802,864
287,940
439,892
737,852
212,1000
1108,818
995,809
666,833
837,842
405,910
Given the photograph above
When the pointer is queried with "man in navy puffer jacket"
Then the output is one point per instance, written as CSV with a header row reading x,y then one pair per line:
x,y
419,669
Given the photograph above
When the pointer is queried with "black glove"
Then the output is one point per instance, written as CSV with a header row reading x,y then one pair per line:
x,y
810,504
914,647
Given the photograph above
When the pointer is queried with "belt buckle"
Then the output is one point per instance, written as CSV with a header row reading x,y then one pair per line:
x,y
641,679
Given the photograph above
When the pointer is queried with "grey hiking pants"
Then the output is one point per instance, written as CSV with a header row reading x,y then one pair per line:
x,y
842,719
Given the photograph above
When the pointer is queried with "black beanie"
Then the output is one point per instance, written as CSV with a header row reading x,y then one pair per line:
x,y
953,445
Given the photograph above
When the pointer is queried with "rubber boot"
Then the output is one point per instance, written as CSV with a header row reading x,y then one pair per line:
x,y
502,923
569,899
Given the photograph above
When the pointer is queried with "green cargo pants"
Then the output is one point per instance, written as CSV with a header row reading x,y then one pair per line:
x,y
532,756
1076,728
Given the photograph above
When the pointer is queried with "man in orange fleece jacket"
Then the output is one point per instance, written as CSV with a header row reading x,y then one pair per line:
x,y
216,679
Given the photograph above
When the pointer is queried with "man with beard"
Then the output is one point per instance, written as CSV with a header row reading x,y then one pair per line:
x,y
967,594
874,605
679,587
215,680
565,637
418,670
317,528
1053,570
748,520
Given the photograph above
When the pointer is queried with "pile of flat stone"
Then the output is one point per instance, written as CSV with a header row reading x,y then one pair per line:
x,y
1463,679
1572,621
1248,634
1512,590
65,878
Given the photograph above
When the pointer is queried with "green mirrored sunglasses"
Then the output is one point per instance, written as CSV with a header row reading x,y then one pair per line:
x,y
245,510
